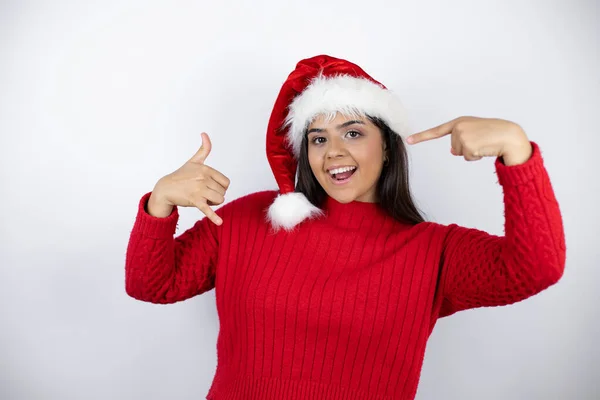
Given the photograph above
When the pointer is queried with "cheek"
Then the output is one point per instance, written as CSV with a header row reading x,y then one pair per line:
x,y
370,157
314,161
370,160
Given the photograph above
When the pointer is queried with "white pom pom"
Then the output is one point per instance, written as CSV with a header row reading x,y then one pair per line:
x,y
289,209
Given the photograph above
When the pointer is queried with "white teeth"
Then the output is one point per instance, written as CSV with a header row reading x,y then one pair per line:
x,y
340,170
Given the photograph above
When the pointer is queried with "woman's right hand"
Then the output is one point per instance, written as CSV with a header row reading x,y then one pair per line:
x,y
194,184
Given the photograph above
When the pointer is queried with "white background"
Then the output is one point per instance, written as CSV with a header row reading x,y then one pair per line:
x,y
98,100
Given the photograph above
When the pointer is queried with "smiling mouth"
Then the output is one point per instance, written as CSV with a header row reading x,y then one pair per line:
x,y
342,178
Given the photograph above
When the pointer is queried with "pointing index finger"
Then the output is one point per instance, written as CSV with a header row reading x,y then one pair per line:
x,y
433,133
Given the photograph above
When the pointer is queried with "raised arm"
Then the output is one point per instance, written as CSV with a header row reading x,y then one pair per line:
x,y
161,268
478,269
482,270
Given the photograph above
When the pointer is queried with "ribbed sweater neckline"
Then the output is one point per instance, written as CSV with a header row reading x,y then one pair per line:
x,y
355,214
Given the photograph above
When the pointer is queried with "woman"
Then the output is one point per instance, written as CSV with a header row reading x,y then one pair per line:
x,y
329,289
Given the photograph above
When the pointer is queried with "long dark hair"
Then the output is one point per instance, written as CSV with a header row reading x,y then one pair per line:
x,y
393,188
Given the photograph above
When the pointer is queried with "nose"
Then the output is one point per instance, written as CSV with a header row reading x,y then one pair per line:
x,y
335,148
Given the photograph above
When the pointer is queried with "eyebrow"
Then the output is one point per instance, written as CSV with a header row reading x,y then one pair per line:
x,y
340,126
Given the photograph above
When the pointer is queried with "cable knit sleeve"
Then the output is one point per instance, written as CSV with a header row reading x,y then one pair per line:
x,y
160,268
483,270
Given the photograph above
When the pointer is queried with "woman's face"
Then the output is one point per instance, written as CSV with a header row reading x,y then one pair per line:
x,y
346,142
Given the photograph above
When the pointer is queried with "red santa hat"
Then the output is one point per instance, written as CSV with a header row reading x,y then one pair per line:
x,y
320,85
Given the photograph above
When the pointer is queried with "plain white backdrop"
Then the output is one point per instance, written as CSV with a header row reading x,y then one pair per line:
x,y
98,100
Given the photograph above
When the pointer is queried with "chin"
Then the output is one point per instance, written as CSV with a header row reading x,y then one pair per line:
x,y
342,196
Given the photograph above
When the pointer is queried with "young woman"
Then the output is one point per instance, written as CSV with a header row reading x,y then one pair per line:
x,y
330,288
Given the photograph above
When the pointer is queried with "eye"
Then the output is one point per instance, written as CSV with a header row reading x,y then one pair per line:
x,y
357,134
315,140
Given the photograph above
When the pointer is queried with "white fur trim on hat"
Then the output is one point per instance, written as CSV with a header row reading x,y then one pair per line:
x,y
289,209
345,94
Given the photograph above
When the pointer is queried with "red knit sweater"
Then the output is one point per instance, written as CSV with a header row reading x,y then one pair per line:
x,y
342,307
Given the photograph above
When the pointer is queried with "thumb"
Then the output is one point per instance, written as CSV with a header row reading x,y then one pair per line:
x,y
203,151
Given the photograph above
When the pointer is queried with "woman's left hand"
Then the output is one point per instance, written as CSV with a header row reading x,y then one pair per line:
x,y
475,138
